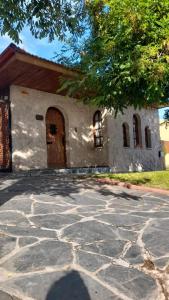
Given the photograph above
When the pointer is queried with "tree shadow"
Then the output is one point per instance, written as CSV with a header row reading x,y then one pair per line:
x,y
124,195
69,287
54,186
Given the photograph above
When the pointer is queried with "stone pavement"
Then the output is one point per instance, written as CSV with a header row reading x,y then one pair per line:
x,y
66,238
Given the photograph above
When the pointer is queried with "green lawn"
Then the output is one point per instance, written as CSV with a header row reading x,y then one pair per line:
x,y
158,179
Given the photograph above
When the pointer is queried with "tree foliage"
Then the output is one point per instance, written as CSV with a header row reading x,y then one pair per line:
x,y
166,115
123,55
47,18
125,60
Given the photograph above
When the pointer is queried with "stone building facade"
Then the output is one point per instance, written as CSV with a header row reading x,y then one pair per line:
x,y
47,130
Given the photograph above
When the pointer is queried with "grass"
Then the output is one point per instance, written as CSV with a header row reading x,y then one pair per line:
x,y
157,179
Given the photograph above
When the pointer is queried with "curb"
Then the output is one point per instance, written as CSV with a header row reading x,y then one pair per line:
x,y
132,186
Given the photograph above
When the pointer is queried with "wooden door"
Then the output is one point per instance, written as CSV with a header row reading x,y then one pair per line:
x,y
4,137
55,138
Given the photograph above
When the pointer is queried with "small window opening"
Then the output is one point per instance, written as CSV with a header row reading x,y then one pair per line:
x,y
97,125
148,137
126,136
53,129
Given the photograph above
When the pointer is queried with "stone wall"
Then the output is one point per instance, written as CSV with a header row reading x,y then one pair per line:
x,y
29,135
134,159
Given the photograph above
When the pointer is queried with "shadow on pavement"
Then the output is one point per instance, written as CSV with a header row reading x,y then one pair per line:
x,y
70,287
54,186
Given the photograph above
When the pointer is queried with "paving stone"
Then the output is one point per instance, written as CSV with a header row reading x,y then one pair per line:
x,y
124,206
90,209
153,214
54,221
7,244
151,200
120,219
162,262
124,198
90,262
78,199
62,286
13,218
88,232
43,208
6,296
127,235
25,241
37,257
137,194
134,255
103,195
147,207
109,248
101,239
159,197
156,237
131,282
49,198
27,231
21,203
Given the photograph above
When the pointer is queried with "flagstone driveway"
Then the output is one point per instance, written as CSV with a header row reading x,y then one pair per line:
x,y
66,238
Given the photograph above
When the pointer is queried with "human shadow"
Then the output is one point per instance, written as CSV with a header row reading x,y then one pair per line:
x,y
69,287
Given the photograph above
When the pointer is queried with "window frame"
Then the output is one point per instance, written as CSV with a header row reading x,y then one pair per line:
x,y
137,136
98,132
148,140
126,135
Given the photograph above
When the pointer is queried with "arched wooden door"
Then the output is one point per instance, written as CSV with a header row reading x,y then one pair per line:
x,y
55,138
4,137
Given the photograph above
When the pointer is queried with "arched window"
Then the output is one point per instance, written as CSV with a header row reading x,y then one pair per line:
x,y
126,135
97,125
147,137
137,131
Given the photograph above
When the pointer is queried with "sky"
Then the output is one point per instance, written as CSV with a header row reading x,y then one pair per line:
x,y
38,47
41,48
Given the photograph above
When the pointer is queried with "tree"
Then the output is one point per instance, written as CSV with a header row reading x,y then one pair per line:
x,y
47,18
122,55
166,115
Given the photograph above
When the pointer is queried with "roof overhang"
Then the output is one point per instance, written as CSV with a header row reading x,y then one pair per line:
x,y
18,67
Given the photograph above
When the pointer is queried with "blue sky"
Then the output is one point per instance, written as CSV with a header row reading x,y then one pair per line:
x,y
41,48
161,112
34,46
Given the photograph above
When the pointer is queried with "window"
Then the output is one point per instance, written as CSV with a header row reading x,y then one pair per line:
x,y
148,137
53,129
126,135
97,125
137,131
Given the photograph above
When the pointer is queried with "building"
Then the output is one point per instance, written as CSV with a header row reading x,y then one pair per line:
x,y
41,129
164,135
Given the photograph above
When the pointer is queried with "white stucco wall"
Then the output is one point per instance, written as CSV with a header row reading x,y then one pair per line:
x,y
29,148
164,131
164,135
133,159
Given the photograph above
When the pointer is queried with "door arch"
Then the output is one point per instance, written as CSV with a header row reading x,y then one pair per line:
x,y
55,138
